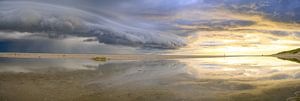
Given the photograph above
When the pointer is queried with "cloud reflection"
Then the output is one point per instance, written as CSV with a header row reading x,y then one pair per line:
x,y
188,79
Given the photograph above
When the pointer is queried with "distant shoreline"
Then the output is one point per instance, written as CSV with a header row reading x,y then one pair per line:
x,y
292,55
112,56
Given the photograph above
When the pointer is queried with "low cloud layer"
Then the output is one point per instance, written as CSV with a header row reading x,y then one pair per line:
x,y
58,21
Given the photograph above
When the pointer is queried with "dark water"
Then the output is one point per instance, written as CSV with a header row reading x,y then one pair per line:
x,y
203,79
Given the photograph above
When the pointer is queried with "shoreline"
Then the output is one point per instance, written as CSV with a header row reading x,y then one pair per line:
x,y
112,56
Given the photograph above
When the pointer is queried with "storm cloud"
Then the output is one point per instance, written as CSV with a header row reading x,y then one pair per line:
x,y
65,21
208,26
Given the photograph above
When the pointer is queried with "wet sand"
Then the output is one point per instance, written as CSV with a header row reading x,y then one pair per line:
x,y
72,87
158,80
289,57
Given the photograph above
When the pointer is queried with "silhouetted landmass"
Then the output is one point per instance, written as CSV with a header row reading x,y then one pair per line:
x,y
291,55
291,59
295,51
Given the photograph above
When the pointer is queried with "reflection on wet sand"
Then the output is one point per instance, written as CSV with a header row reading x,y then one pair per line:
x,y
205,79
291,59
296,98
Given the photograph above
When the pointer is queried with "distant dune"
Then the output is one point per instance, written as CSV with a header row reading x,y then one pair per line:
x,y
292,55
291,52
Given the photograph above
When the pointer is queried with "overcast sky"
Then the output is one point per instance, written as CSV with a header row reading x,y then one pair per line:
x,y
150,26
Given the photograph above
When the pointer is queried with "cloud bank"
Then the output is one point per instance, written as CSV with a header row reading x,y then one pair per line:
x,y
65,21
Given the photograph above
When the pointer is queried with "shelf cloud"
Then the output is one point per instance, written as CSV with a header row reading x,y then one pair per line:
x,y
66,21
153,26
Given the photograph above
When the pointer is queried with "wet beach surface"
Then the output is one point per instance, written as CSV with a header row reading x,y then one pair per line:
x,y
205,79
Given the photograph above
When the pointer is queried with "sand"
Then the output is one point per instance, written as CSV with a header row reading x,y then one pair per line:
x,y
72,86
132,81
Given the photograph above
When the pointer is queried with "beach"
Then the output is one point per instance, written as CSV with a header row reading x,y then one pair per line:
x,y
193,79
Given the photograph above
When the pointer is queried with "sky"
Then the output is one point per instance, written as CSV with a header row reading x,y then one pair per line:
x,y
205,27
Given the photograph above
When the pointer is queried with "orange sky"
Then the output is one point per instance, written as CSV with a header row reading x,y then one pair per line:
x,y
263,37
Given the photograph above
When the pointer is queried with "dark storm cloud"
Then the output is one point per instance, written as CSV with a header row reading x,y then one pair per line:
x,y
58,20
279,10
163,7
150,24
126,6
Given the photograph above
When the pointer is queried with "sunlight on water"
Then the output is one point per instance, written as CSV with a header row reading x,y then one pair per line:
x,y
242,67
206,79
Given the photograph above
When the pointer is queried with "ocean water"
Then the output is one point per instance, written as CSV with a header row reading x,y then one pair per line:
x,y
199,79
